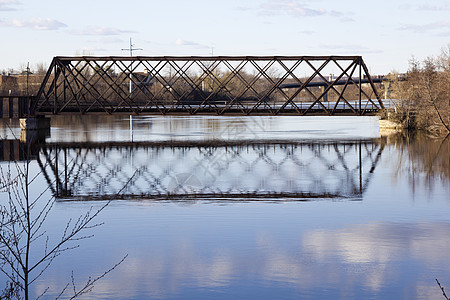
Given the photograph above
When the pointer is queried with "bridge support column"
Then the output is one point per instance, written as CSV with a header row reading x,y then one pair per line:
x,y
34,129
325,96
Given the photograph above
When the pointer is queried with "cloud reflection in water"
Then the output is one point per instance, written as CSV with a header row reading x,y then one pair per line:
x,y
358,261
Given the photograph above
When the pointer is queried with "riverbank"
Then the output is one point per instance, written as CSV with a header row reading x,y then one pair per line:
x,y
403,120
388,127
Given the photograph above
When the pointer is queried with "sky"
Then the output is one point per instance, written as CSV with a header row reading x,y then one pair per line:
x,y
386,33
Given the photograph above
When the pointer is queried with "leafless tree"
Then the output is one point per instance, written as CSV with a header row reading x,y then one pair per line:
x,y
22,228
425,94
40,68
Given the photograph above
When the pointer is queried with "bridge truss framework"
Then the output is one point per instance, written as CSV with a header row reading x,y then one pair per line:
x,y
220,85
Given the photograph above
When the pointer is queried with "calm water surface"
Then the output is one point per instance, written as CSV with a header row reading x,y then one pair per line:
x,y
247,208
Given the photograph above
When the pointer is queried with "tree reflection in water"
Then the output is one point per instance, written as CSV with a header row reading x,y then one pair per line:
x,y
424,159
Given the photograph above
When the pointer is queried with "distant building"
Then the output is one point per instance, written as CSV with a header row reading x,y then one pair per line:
x,y
16,85
8,84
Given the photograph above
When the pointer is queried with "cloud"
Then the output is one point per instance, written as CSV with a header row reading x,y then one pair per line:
x,y
110,40
8,5
181,42
445,7
349,48
289,7
101,30
422,28
425,7
347,19
36,24
405,6
243,8
295,8
306,32
92,50
444,34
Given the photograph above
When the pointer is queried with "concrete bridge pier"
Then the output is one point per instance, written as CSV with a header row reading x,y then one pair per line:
x,y
325,96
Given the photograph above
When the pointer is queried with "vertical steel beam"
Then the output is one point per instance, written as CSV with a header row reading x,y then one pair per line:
x,y
360,85
55,95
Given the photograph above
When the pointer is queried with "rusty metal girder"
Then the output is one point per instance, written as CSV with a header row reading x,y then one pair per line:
x,y
218,85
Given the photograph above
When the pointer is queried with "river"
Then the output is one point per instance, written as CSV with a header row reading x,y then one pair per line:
x,y
242,207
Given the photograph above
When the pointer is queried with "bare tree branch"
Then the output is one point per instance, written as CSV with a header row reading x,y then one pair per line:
x,y
442,289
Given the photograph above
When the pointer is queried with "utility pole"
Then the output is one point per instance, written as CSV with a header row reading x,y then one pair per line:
x,y
131,65
28,94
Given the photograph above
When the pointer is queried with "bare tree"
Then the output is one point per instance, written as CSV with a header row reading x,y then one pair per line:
x,y
22,221
434,92
425,94
40,68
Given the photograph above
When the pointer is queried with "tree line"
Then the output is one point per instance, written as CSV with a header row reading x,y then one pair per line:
x,y
424,94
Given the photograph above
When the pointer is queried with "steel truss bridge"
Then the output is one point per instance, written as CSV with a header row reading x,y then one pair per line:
x,y
246,85
299,171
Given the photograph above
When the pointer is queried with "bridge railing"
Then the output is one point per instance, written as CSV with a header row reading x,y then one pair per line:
x,y
214,85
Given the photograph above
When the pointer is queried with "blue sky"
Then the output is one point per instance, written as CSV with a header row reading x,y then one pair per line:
x,y
386,33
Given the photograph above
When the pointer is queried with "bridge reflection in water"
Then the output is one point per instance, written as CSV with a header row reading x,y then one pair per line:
x,y
299,170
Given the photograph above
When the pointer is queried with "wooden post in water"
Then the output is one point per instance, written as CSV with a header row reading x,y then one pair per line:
x,y
131,127
360,169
